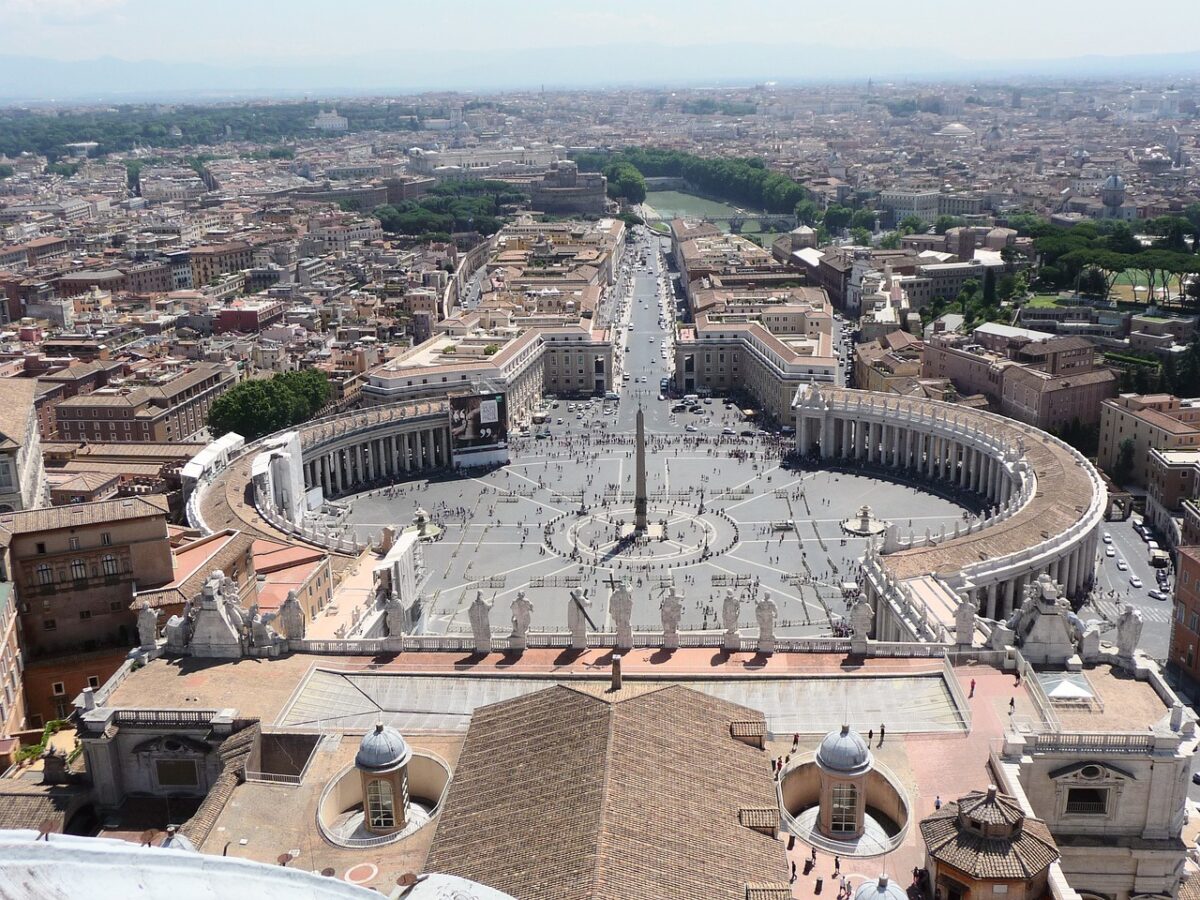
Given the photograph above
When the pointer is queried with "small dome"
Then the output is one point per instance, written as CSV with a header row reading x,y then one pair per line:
x,y
382,750
882,888
1114,182
844,752
956,129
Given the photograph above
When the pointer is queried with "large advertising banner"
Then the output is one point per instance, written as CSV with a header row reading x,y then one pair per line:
x,y
478,424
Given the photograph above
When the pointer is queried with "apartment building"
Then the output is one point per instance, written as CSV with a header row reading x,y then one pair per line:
x,y
171,407
1184,652
75,569
22,474
209,261
762,343
1051,383
1149,422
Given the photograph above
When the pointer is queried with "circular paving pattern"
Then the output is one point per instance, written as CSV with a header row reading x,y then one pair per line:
x,y
558,517
678,535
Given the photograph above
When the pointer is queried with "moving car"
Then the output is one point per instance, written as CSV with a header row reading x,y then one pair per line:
x,y
1122,566
1134,581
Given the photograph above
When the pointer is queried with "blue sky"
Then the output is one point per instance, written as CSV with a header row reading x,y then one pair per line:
x,y
291,31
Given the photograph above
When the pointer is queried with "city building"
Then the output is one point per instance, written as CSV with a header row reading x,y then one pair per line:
x,y
22,473
75,569
173,407
1047,381
1144,422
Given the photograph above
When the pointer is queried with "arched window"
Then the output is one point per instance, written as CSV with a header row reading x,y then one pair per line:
x,y
844,814
381,805
44,574
78,570
110,564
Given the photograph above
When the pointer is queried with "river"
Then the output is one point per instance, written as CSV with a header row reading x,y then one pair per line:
x,y
672,204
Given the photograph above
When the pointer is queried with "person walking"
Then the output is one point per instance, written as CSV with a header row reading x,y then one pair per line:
x,y
972,694
881,733
793,878
937,802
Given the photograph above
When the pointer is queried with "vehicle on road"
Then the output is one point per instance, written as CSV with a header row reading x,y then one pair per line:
x,y
1156,595
691,427
1134,581
1107,538
1122,566
1110,552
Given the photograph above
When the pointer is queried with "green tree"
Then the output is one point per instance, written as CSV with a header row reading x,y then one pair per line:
x,y
890,241
807,212
944,223
863,218
6,171
1123,468
625,182
912,225
1092,283
989,287
260,406
837,217
860,236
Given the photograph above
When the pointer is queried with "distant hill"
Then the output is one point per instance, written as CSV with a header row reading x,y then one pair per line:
x,y
106,79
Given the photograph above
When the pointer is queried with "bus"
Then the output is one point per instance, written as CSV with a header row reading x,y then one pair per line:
x,y
540,418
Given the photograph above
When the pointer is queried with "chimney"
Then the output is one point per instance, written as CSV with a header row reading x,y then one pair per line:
x,y
991,795
616,672
89,698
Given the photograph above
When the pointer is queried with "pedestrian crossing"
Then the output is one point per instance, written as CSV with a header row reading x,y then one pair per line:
x,y
1111,611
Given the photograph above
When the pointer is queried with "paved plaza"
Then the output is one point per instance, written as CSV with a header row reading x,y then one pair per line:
x,y
736,517
736,514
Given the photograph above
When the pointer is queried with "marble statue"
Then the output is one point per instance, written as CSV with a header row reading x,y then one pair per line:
x,y
731,610
766,612
291,617
620,607
393,616
522,612
862,617
1129,631
479,614
964,621
147,626
671,608
176,633
577,620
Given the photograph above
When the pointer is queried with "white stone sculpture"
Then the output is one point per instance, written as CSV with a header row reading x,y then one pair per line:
x,y
620,607
1129,631
766,612
731,610
393,616
577,621
862,617
671,608
292,619
479,615
522,613
147,627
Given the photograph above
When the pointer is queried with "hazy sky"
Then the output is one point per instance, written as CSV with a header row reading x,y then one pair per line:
x,y
296,31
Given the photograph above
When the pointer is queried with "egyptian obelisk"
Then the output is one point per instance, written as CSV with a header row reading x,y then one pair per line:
x,y
639,499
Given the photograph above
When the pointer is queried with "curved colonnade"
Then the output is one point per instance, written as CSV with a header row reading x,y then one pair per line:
x,y
342,454
1046,502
